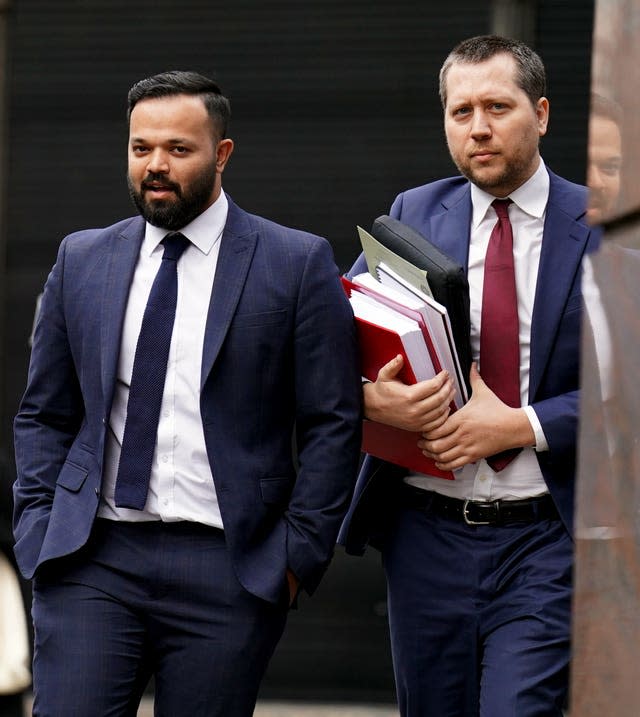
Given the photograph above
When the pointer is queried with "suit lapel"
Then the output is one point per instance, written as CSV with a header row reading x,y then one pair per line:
x,y
450,229
121,260
563,246
237,247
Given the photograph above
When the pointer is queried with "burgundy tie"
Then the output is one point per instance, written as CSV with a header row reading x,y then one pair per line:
x,y
499,327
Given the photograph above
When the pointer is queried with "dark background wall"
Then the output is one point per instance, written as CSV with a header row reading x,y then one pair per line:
x,y
335,110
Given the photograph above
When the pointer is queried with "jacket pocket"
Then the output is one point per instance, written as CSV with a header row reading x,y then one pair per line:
x,y
260,319
72,477
276,491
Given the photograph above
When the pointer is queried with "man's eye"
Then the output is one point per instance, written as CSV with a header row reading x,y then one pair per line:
x,y
138,149
179,150
611,168
461,111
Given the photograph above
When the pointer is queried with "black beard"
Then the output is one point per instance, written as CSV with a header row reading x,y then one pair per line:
x,y
187,205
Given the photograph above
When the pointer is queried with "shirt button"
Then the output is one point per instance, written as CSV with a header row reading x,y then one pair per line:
x,y
166,413
165,501
165,459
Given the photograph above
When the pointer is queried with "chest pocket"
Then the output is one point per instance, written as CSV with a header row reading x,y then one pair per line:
x,y
259,320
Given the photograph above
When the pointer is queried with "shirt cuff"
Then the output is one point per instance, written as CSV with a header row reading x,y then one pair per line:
x,y
541,440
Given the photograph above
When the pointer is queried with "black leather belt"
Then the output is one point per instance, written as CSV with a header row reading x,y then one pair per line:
x,y
474,512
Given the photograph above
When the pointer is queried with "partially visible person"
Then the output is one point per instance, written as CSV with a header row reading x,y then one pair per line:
x,y
608,501
15,676
479,569
604,161
604,167
189,436
599,517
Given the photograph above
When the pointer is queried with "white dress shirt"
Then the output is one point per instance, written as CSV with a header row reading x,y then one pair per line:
x,y
598,323
181,485
522,478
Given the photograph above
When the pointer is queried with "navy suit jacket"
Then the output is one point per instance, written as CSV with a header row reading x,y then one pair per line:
x,y
279,367
442,211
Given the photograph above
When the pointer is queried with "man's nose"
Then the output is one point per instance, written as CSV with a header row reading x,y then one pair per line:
x,y
594,176
158,162
480,126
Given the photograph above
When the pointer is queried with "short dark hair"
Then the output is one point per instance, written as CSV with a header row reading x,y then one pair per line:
x,y
530,73
178,82
602,106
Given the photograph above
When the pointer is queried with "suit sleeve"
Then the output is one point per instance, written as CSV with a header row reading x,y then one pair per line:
x,y
48,419
328,417
558,417
557,400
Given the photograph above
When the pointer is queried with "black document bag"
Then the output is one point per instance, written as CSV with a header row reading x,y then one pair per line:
x,y
446,278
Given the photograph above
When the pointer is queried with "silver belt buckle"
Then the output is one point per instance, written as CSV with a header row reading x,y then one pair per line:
x,y
465,515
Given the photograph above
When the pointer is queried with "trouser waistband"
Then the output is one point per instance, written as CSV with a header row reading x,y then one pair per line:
x,y
474,512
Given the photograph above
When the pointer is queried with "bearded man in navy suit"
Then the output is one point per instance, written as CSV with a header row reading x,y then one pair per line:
x,y
479,569
193,584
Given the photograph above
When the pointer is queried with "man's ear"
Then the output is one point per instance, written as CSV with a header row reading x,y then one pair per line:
x,y
542,113
224,148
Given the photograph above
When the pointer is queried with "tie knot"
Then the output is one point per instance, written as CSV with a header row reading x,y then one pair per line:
x,y
501,207
174,244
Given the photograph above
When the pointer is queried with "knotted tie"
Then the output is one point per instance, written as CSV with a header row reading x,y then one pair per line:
x,y
499,327
147,379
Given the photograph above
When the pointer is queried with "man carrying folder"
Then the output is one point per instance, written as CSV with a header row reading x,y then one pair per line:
x,y
479,568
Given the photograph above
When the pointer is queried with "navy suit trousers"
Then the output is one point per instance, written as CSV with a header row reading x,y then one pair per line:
x,y
144,600
479,616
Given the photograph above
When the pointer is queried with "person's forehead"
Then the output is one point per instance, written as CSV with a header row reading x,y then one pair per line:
x,y
186,112
497,73
171,105
603,127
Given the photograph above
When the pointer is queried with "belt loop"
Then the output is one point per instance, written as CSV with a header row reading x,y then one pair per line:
x,y
431,498
497,504
538,508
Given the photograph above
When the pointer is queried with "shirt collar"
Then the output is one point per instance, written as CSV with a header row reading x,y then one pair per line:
x,y
204,231
531,197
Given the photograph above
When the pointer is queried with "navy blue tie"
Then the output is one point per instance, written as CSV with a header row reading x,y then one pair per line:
x,y
147,380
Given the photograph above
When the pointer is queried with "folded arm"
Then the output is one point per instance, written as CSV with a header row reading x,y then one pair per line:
x,y
419,407
484,426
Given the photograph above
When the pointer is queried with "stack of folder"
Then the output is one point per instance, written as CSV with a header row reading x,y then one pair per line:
x,y
396,313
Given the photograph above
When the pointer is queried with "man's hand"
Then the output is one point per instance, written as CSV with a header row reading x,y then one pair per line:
x,y
294,586
482,427
421,407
